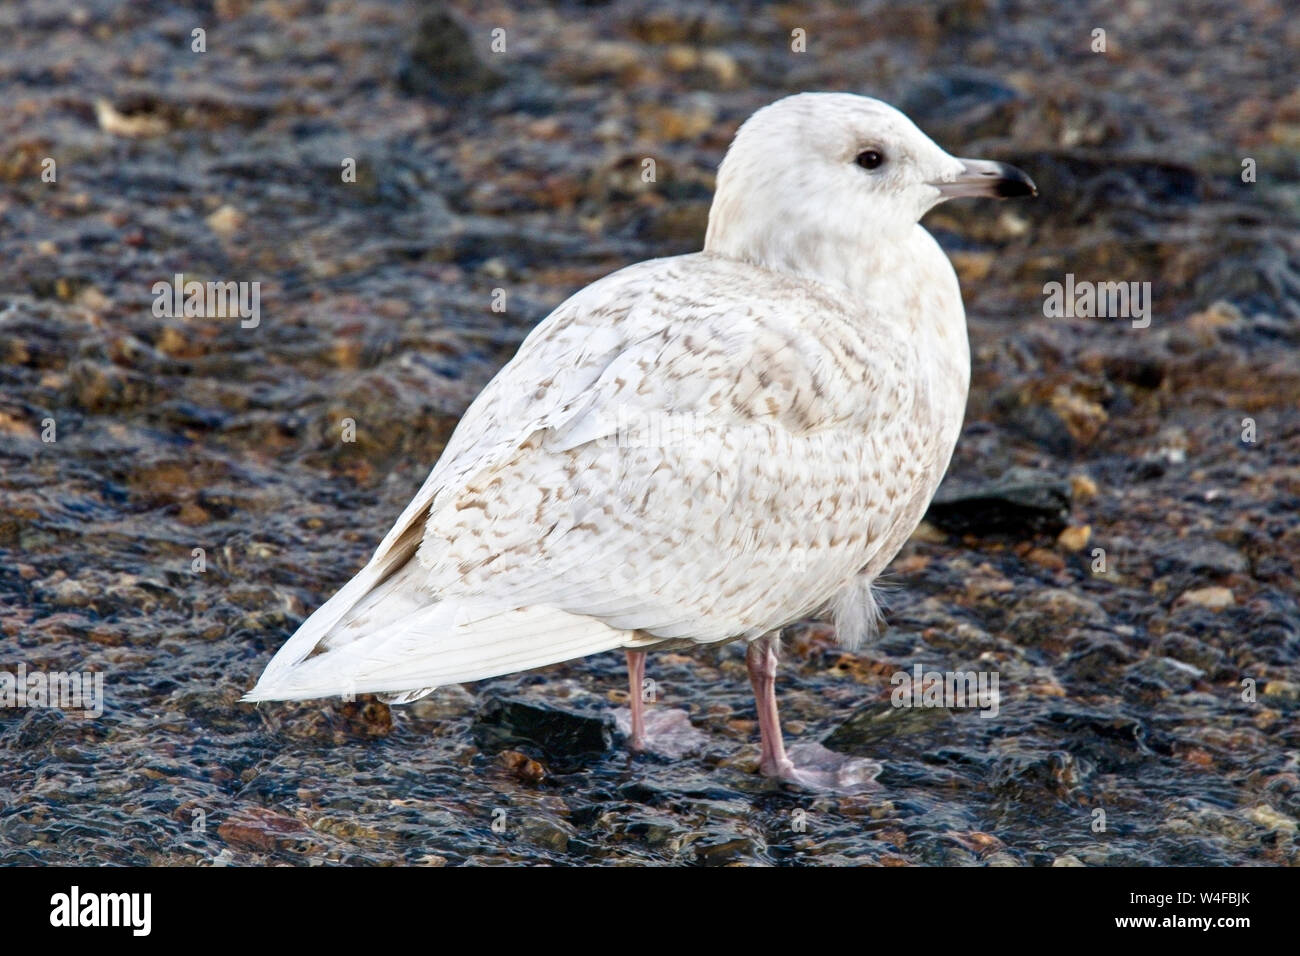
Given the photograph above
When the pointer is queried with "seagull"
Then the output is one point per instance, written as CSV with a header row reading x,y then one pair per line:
x,y
694,449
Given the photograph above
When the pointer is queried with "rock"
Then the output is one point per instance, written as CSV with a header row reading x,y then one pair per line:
x,y
137,125
441,61
453,700
875,722
972,267
560,732
1166,673
1042,418
723,66
1021,504
1082,488
1116,730
1085,176
1096,656
36,728
257,828
703,69
683,223
1208,323
1082,417
525,768
1282,690
349,829
665,24
15,427
1047,614
226,221
986,582
1035,776
664,833
547,832
1184,647
1046,559
366,716
1270,819
1204,557
1075,538
602,60
726,850
1067,859
1213,821
1002,858
1215,598
939,97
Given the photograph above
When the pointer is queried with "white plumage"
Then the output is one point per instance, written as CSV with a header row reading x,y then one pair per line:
x,y
692,449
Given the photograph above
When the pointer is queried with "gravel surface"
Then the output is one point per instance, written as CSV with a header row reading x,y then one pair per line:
x,y
1117,537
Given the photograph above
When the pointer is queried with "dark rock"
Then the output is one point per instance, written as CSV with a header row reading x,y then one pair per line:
x,y
441,61
547,832
1206,557
661,832
1096,657
873,723
1034,776
1140,370
37,728
1100,181
724,851
1047,615
1189,650
939,98
1163,675
680,223
366,716
509,722
1020,504
1117,727
524,767
1109,742
1146,469
1038,422
261,829
965,16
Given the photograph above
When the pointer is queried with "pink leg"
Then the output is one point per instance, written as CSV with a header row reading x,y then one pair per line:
x,y
635,679
661,730
808,764
760,658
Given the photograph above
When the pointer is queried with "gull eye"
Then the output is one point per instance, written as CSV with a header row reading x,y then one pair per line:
x,y
870,159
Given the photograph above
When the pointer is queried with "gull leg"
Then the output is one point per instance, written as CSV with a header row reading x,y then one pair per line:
x,y
808,764
664,731
635,678
760,659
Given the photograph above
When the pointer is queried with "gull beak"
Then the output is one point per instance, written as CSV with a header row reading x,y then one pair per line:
x,y
982,177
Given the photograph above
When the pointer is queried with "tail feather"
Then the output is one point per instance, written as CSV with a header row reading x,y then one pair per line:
x,y
316,632
385,633
443,643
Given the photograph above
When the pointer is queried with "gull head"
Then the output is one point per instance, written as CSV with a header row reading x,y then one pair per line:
x,y
820,173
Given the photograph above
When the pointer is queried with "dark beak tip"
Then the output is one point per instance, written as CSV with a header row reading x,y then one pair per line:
x,y
1014,190
1014,182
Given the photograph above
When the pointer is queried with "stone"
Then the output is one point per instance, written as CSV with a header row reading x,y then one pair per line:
x,y
441,61
1215,598
559,731
1020,504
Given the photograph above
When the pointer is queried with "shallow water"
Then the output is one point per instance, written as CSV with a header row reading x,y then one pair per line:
x,y
1120,690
